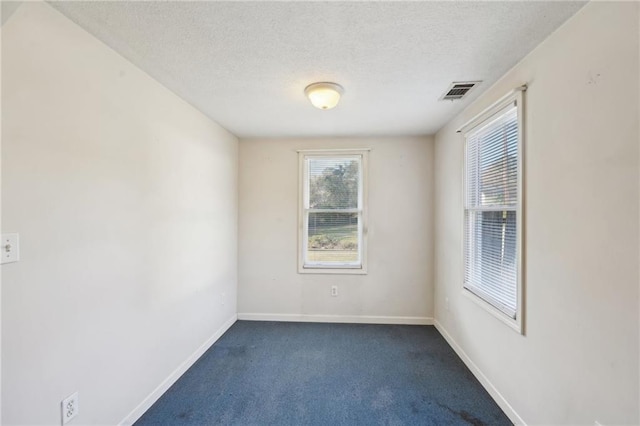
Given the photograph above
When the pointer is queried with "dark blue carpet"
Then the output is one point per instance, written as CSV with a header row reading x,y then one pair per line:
x,y
278,373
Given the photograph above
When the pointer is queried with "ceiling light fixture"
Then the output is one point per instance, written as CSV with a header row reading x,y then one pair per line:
x,y
324,95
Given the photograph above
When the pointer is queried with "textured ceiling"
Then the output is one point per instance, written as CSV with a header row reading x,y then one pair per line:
x,y
245,64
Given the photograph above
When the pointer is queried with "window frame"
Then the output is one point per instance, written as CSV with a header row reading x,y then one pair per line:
x,y
489,114
305,268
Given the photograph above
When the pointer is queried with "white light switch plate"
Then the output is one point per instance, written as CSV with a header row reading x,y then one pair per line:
x,y
10,248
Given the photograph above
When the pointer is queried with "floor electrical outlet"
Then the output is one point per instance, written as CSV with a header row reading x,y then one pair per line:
x,y
70,408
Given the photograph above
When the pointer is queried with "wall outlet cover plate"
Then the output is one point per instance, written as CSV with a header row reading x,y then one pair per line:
x,y
10,248
70,407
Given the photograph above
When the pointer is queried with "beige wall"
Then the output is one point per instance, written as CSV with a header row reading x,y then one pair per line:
x,y
578,362
398,285
125,199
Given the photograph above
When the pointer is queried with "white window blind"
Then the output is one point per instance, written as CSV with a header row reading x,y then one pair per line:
x,y
491,246
332,211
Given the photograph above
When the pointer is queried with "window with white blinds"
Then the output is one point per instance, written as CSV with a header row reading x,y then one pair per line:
x,y
332,212
492,209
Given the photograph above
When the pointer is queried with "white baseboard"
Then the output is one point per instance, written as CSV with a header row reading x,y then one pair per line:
x,y
484,381
352,319
175,375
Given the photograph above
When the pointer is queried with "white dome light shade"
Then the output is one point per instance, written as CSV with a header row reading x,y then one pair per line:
x,y
324,95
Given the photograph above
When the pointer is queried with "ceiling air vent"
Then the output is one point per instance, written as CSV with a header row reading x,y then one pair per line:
x,y
458,90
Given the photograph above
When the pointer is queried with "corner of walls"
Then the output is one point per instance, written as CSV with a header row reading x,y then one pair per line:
x,y
7,8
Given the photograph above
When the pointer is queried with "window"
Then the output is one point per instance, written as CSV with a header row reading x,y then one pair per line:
x,y
333,211
493,210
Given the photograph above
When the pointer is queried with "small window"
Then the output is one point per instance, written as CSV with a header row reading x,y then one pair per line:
x,y
493,210
333,212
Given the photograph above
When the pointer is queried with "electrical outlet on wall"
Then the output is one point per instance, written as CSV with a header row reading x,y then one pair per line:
x,y
10,248
70,408
334,291
446,303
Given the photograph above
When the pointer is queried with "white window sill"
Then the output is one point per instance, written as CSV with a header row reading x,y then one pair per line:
x,y
329,270
515,324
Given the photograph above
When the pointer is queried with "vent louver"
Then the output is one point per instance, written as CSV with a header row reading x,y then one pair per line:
x,y
458,90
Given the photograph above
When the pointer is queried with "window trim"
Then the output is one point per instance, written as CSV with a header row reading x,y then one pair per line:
x,y
514,97
302,238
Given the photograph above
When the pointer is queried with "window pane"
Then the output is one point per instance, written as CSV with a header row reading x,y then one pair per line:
x,y
492,163
333,183
333,238
490,257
